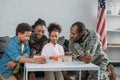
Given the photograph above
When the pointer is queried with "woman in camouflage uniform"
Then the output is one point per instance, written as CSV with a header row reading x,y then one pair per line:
x,y
38,39
36,42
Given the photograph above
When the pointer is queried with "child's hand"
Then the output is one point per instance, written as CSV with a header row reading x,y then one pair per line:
x,y
11,64
60,56
39,60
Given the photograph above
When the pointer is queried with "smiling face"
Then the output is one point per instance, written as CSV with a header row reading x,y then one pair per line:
x,y
39,31
24,37
54,35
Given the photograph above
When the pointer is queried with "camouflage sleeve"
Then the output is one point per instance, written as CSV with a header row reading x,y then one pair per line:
x,y
75,49
92,44
89,46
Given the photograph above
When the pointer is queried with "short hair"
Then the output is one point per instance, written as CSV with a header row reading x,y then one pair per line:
x,y
39,22
80,25
54,27
23,27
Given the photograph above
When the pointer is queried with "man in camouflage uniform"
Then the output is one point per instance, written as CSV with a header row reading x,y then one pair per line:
x,y
86,46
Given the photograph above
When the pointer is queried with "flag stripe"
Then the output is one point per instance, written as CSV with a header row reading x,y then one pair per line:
x,y
104,42
104,32
101,24
103,28
100,17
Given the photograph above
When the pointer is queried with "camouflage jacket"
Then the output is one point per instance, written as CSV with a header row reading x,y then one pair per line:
x,y
90,44
64,43
36,45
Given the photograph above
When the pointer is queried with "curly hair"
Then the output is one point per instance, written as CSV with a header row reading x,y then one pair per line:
x,y
39,22
23,27
54,27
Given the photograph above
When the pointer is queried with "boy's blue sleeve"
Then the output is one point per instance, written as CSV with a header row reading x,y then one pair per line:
x,y
13,52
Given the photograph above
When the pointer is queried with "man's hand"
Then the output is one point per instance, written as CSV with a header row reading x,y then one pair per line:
x,y
11,64
81,58
86,59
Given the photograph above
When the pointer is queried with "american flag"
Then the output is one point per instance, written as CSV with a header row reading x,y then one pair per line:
x,y
101,24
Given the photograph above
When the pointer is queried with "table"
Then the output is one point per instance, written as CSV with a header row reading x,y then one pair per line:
x,y
59,66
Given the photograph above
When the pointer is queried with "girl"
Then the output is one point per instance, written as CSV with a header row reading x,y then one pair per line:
x,y
53,49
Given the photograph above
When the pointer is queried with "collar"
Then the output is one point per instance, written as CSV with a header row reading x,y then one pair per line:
x,y
81,40
17,41
53,44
